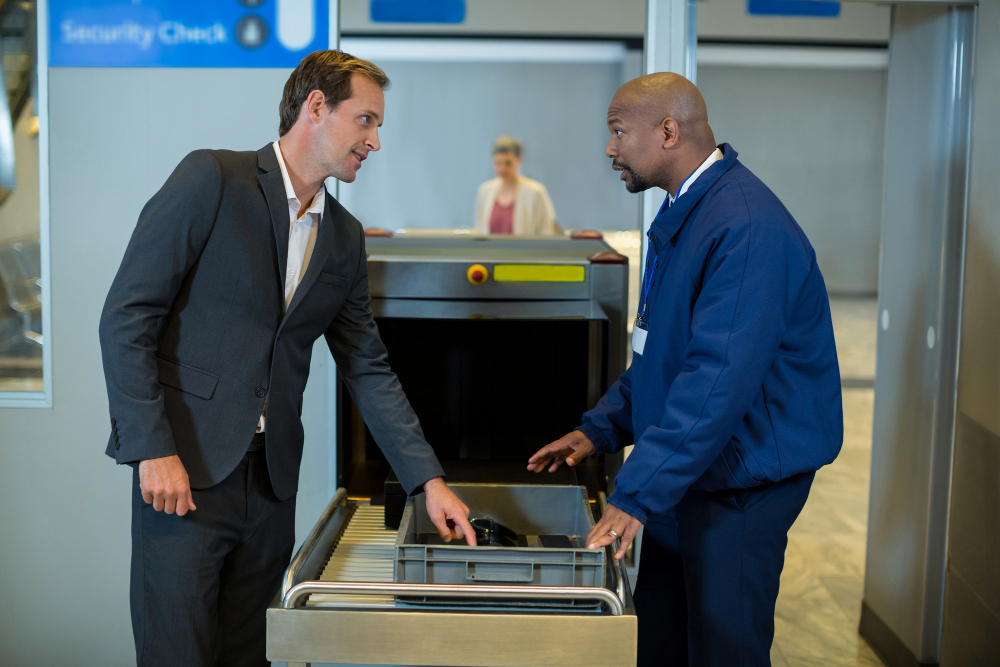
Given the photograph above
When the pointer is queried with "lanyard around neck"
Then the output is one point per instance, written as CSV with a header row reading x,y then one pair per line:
x,y
647,281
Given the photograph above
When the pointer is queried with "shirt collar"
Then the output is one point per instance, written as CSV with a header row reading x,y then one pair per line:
x,y
712,159
670,219
319,201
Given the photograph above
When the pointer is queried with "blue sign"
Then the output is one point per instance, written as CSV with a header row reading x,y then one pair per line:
x,y
417,11
186,33
817,8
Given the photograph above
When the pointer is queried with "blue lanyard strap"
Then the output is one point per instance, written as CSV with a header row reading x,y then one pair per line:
x,y
650,270
647,280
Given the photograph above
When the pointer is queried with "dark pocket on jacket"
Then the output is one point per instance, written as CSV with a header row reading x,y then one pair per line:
x,y
186,378
333,279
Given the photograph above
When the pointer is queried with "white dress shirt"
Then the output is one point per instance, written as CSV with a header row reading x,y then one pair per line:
x,y
302,230
712,159
303,226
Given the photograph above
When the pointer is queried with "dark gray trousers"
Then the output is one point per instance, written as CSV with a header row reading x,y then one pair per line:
x,y
201,583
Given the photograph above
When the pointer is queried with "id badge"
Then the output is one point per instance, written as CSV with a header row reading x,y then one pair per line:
x,y
639,331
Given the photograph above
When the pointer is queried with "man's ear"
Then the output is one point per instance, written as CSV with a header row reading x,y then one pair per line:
x,y
314,106
670,132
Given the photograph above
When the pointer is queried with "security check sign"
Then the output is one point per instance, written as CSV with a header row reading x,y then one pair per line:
x,y
172,33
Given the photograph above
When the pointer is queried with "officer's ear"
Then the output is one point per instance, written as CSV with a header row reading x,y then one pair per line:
x,y
670,132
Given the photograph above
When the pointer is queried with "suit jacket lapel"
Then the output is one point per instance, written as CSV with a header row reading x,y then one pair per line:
x,y
277,202
322,249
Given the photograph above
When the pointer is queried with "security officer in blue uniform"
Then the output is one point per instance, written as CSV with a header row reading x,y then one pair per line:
x,y
733,396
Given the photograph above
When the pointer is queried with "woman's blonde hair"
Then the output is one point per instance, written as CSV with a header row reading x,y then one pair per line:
x,y
507,144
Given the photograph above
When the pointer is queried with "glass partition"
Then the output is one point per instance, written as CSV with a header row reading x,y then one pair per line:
x,y
461,113
22,327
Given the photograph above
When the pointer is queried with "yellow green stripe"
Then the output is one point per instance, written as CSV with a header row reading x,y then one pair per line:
x,y
550,273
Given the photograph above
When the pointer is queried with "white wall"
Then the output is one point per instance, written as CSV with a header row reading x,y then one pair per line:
x,y
519,17
730,20
815,137
64,507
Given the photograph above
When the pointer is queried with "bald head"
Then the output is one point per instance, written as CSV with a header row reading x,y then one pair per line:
x,y
656,97
659,131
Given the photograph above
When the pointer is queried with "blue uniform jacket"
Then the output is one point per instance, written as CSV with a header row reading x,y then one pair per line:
x,y
738,383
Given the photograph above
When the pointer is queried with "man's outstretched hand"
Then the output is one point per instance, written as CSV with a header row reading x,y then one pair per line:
x,y
164,485
571,448
449,514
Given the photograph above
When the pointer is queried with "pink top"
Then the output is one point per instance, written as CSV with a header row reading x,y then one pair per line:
x,y
502,219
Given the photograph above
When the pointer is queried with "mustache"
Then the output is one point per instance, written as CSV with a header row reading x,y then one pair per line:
x,y
616,164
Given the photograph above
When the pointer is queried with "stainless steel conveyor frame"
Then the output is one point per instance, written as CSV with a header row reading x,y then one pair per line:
x,y
364,624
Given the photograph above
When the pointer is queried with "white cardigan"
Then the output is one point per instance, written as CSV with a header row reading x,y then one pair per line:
x,y
533,210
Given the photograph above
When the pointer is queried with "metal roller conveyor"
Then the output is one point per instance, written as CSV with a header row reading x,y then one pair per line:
x,y
363,553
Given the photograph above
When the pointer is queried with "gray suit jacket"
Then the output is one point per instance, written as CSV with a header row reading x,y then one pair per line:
x,y
194,337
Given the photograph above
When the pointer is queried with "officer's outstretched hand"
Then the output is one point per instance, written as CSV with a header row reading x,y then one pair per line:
x,y
447,512
571,448
614,524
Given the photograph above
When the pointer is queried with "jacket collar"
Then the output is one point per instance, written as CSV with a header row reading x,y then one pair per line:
x,y
269,175
670,220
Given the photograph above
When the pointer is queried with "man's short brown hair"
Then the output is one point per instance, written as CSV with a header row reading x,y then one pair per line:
x,y
329,72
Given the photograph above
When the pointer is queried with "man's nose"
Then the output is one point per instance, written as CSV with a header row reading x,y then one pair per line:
x,y
611,150
373,143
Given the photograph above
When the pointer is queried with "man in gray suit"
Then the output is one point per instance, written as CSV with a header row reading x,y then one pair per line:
x,y
236,266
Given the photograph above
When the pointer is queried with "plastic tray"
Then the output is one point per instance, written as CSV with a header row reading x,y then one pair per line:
x,y
531,511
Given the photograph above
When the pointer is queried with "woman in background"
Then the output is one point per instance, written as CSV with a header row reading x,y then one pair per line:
x,y
512,203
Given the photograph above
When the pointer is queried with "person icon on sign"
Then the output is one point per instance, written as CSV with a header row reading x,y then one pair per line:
x,y
251,31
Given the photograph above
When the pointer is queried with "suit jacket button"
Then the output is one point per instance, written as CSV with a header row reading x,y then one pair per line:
x,y
113,422
117,446
260,392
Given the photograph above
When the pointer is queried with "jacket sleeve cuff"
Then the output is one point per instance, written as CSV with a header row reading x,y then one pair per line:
x,y
419,488
134,452
629,505
602,443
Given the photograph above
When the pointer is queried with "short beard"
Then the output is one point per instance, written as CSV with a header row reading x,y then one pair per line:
x,y
638,183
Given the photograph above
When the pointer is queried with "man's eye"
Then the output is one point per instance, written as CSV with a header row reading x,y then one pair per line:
x,y
365,119
618,133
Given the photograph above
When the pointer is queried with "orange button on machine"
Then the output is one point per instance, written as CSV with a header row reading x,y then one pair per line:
x,y
477,274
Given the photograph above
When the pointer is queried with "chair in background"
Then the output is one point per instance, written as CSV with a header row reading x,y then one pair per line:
x,y
30,252
20,274
11,323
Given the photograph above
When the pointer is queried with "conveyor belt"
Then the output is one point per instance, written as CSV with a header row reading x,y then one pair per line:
x,y
364,552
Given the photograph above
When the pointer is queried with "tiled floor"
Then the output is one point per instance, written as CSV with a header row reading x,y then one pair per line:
x,y
816,621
